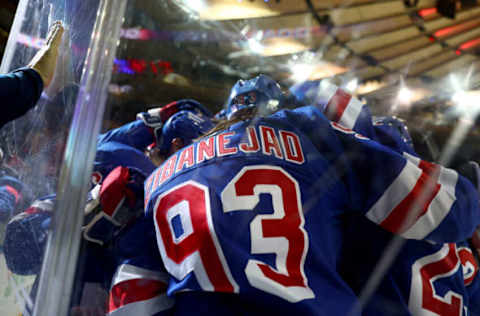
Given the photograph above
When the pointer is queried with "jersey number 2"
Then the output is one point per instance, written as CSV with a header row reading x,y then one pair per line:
x,y
444,263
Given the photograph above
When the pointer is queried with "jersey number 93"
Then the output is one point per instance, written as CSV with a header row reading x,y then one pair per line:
x,y
196,247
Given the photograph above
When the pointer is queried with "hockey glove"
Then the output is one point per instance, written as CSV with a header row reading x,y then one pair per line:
x,y
26,237
10,196
113,204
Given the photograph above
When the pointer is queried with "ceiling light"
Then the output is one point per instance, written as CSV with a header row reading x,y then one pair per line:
x,y
195,5
404,95
467,102
427,11
315,70
255,46
352,85
220,10
459,97
301,72
282,46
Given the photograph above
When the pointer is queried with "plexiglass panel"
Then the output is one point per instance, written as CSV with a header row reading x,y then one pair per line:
x,y
33,146
36,141
358,194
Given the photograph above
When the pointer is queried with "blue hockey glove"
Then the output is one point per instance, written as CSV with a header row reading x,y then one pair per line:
x,y
113,204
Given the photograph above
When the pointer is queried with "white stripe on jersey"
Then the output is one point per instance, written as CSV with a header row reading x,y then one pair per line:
x,y
439,207
127,272
399,191
351,113
136,304
395,193
325,91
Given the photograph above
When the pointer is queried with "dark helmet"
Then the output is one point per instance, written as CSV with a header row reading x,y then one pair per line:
x,y
394,126
186,125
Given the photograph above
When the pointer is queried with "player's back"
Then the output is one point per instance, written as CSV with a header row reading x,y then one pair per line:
x,y
251,214
254,210
425,277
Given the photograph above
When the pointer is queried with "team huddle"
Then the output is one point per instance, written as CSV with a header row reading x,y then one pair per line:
x,y
267,207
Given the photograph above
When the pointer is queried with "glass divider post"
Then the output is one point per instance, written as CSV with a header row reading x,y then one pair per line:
x,y
59,265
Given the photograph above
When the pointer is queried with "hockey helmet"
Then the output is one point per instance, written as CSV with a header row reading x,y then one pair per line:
x,y
261,91
221,115
185,105
156,118
396,127
186,125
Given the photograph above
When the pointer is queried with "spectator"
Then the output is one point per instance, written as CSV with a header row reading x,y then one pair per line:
x,y
21,89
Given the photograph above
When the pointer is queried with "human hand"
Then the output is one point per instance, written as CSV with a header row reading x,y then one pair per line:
x,y
26,237
155,118
45,60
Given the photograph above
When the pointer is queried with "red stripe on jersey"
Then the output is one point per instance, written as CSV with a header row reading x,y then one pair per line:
x,y
13,191
416,203
337,105
429,297
33,210
132,291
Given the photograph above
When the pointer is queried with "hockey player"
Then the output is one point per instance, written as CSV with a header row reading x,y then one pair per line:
x,y
247,219
122,146
145,134
426,278
117,200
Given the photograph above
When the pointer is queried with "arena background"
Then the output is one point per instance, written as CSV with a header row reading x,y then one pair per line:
x,y
373,46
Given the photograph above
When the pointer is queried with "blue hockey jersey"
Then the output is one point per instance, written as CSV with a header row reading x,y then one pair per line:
x,y
123,146
253,213
425,278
